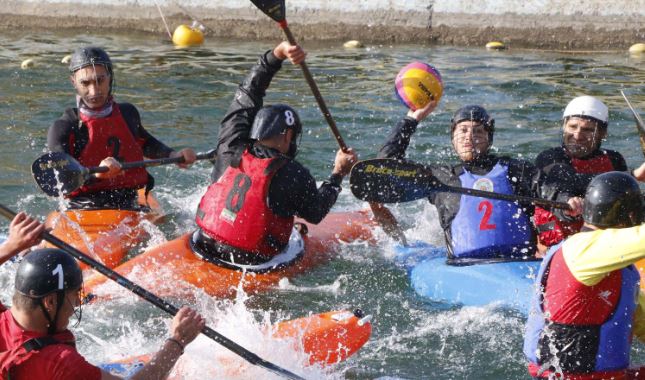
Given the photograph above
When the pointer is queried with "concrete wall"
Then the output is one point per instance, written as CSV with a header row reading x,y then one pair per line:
x,y
537,23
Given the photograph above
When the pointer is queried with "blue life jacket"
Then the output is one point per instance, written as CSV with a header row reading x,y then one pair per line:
x,y
613,336
488,228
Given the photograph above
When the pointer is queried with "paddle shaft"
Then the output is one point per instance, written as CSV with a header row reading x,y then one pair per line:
x,y
640,126
314,89
369,179
155,300
149,163
504,197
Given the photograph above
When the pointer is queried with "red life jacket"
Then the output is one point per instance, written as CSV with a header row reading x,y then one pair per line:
x,y
111,137
551,230
15,351
235,210
585,330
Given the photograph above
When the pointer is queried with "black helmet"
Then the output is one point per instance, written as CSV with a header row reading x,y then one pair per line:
x,y
473,113
44,271
274,120
613,199
90,56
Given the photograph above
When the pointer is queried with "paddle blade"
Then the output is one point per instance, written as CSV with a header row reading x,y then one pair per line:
x,y
57,173
391,181
272,8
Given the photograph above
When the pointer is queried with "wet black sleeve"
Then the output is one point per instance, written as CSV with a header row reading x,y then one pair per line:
x,y
397,143
526,180
560,181
293,192
233,135
398,139
58,135
617,160
152,148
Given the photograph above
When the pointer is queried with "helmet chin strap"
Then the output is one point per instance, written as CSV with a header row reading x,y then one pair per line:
x,y
293,150
60,297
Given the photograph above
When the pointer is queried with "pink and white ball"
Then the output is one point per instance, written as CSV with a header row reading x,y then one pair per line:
x,y
417,84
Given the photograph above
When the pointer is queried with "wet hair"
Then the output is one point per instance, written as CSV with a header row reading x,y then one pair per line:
x,y
24,303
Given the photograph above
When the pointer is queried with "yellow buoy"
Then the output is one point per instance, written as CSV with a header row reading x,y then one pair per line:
x,y
637,49
353,44
66,59
27,63
495,45
185,35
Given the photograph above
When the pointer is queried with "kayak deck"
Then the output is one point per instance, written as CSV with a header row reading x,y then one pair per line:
x,y
184,270
508,284
103,234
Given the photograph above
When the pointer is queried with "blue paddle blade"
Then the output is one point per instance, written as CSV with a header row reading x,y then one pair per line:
x,y
57,173
391,181
272,8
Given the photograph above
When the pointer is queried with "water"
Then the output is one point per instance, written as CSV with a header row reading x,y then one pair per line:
x,y
182,95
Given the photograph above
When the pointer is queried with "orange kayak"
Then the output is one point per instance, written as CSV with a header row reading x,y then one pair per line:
x,y
327,339
103,234
172,269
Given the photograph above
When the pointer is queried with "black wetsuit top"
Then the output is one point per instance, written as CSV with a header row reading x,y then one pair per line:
x,y
561,181
68,125
293,190
523,176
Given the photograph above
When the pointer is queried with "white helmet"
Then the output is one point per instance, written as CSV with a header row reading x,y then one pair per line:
x,y
588,107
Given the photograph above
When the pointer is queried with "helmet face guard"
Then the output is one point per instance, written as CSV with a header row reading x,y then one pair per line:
x,y
473,113
613,199
91,56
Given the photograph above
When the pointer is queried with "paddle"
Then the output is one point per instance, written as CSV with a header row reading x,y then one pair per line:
x,y
276,10
157,301
388,180
640,126
59,172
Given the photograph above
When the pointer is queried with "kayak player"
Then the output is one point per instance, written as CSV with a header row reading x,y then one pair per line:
x,y
476,229
102,132
24,233
247,215
573,165
35,342
587,303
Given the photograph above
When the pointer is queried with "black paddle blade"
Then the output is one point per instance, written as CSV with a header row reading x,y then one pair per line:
x,y
391,181
272,8
58,172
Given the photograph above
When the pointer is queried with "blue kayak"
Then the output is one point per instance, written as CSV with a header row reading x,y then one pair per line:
x,y
125,369
507,284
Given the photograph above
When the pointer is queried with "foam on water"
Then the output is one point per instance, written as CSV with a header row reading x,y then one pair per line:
x,y
252,329
337,287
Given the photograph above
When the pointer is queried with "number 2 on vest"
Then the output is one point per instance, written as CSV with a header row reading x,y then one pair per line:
x,y
241,185
488,211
